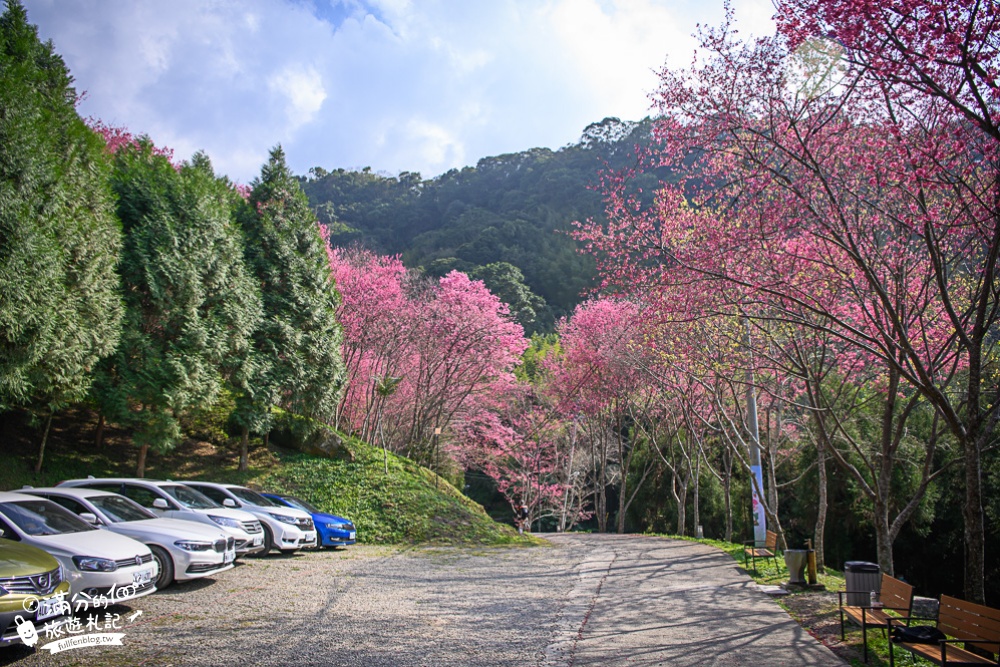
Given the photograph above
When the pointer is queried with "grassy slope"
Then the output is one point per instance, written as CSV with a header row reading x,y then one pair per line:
x,y
410,504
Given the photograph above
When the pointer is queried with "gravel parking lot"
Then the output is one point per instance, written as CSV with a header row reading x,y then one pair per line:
x,y
587,600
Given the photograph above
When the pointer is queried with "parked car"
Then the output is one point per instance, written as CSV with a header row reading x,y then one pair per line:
x,y
285,528
97,563
333,530
172,500
183,549
33,587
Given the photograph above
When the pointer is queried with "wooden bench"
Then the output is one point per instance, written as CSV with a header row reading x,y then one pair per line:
x,y
894,596
973,625
769,550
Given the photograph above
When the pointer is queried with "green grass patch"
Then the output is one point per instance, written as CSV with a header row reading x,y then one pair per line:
x,y
408,504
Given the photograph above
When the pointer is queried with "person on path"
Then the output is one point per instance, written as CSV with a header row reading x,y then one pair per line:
x,y
522,518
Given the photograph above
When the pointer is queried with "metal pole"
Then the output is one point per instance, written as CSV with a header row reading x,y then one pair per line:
x,y
437,455
756,470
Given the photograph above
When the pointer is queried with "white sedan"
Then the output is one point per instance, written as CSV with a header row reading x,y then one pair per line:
x,y
183,549
101,566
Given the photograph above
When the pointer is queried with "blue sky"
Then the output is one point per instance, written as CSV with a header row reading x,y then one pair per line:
x,y
395,85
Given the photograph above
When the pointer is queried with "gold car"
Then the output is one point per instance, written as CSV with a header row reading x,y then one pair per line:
x,y
34,593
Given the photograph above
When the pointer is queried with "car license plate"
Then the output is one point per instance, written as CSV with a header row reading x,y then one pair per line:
x,y
352,535
229,557
49,608
259,540
142,577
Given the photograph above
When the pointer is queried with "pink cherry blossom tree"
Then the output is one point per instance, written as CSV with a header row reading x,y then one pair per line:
x,y
799,195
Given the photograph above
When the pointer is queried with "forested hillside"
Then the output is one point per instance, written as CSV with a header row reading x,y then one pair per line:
x,y
515,209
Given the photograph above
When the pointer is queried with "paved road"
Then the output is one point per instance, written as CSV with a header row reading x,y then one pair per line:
x,y
589,600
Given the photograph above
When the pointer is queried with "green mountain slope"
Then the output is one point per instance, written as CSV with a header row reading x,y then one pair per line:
x,y
515,208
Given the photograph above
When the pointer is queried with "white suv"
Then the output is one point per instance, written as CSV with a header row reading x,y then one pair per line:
x,y
177,501
183,549
285,528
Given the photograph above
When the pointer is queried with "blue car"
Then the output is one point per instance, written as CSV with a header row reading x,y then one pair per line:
x,y
333,530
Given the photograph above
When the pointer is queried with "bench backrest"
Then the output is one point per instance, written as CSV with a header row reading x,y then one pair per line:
x,y
896,594
967,620
771,542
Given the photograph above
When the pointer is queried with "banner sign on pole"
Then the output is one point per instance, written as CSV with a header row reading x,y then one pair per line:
x,y
759,515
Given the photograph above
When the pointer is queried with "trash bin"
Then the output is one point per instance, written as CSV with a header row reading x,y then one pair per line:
x,y
795,561
862,578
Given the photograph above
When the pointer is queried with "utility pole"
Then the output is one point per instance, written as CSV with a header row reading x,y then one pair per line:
x,y
437,455
756,470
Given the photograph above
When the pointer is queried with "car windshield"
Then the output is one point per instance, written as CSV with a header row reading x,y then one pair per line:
x,y
301,504
43,517
190,498
119,509
251,497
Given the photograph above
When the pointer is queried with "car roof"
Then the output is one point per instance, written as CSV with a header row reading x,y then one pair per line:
x,y
6,496
116,480
219,485
72,491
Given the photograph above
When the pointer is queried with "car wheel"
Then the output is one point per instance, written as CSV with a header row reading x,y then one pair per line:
x,y
268,542
166,565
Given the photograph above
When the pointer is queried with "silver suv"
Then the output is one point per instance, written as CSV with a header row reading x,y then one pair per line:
x,y
285,528
177,501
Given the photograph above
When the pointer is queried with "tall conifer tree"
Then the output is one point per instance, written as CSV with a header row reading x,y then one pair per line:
x,y
190,303
60,307
299,339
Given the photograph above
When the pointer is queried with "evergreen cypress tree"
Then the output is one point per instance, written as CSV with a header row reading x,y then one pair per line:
x,y
190,303
60,307
299,340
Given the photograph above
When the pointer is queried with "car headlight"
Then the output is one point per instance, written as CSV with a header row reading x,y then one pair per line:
x,y
92,564
62,574
194,545
282,518
337,526
225,521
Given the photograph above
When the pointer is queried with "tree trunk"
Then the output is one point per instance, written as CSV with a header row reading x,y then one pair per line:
x,y
600,490
625,464
99,434
883,538
697,500
244,450
45,438
823,502
680,495
972,513
569,481
772,479
140,466
727,488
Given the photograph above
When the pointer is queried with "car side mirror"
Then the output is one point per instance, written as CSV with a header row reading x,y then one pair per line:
x,y
229,502
161,504
90,518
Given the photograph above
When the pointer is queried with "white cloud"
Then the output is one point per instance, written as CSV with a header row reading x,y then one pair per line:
x,y
618,48
303,90
436,145
392,84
